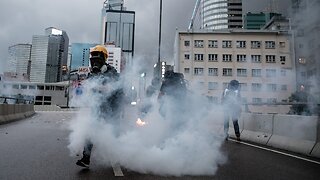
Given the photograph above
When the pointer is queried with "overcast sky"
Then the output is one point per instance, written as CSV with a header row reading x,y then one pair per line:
x,y
21,19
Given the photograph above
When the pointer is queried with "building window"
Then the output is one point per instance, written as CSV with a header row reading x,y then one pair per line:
x,y
15,86
47,98
256,58
212,57
255,44
227,72
198,71
256,72
271,73
270,58
213,85
282,44
187,56
241,44
256,87
213,72
186,70
227,57
242,72
271,87
282,60
49,87
284,88
198,43
257,100
227,44
198,57
212,43
283,72
59,88
272,100
32,87
241,58
270,44
24,86
302,60
243,87
187,43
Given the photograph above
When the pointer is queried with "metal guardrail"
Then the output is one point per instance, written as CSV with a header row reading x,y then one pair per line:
x,y
6,100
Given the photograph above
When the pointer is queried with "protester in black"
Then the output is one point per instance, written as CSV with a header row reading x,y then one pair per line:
x,y
110,100
231,101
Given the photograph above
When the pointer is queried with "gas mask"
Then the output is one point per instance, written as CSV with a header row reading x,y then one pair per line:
x,y
97,61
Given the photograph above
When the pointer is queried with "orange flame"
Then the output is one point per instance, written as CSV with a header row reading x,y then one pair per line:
x,y
139,122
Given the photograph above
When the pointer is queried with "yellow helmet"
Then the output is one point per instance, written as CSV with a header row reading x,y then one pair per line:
x,y
101,49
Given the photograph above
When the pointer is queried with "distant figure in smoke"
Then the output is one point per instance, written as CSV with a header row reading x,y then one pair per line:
x,y
231,101
303,97
172,95
109,106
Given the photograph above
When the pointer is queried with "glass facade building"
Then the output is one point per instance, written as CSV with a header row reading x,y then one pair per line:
x,y
257,20
221,14
49,55
118,27
20,59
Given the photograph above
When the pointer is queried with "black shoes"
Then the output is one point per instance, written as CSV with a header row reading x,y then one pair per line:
x,y
238,137
84,162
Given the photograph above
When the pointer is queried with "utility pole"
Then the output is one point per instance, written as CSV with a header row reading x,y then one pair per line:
x,y
159,47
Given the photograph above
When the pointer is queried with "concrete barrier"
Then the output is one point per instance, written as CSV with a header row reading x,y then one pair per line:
x,y
14,112
294,133
257,127
316,149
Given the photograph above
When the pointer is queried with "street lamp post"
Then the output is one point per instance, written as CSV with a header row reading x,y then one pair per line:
x,y
159,47
69,77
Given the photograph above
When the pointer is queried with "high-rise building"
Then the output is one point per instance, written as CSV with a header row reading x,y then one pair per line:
x,y
257,20
49,55
118,26
305,25
20,59
221,14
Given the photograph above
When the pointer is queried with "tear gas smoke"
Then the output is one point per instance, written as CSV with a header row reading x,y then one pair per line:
x,y
186,141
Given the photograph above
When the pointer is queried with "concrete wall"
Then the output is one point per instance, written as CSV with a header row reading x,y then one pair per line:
x,y
13,112
294,133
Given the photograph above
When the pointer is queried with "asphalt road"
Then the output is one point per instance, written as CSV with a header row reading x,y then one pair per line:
x,y
36,148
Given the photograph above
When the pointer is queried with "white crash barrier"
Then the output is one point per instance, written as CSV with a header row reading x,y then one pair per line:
x,y
13,112
257,127
294,133
316,150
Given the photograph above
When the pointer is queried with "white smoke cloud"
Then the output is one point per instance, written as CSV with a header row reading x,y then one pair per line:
x,y
186,142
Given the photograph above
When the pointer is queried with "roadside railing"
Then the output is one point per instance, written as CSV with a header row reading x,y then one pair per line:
x,y
13,100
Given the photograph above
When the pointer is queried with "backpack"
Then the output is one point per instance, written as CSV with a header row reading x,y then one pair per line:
x,y
173,84
231,96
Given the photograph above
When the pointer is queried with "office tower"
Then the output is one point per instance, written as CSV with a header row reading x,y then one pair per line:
x,y
221,14
118,26
49,56
258,20
305,23
20,59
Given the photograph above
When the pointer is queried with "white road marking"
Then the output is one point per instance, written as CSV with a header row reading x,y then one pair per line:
x,y
117,170
275,151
